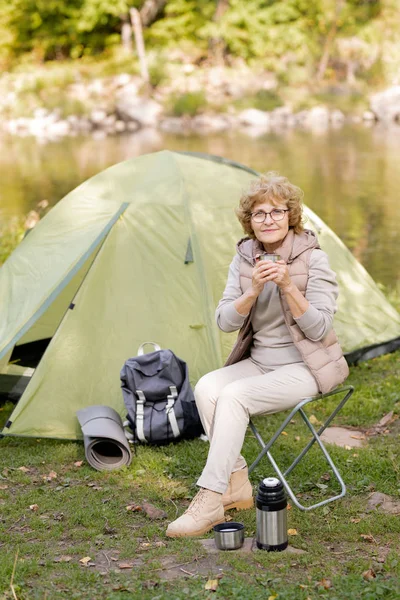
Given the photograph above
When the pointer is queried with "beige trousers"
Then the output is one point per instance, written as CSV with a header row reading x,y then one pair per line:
x,y
228,397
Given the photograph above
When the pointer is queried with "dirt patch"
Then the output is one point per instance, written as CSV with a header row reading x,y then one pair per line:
x,y
346,438
172,569
383,503
248,546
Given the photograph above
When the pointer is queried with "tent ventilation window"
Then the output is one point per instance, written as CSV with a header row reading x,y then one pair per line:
x,y
189,253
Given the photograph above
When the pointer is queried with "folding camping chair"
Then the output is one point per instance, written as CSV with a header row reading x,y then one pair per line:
x,y
347,391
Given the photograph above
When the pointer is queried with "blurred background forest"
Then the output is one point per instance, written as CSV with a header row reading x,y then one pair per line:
x,y
331,40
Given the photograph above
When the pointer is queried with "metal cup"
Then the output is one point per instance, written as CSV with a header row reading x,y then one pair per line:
x,y
229,536
272,257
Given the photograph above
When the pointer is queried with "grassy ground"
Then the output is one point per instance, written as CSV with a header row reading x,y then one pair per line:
x,y
56,511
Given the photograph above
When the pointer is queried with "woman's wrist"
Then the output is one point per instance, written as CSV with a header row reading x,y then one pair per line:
x,y
244,304
288,289
251,294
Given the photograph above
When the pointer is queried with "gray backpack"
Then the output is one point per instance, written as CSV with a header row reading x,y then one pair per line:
x,y
158,397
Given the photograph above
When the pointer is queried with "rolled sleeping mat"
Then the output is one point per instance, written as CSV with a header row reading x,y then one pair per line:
x,y
106,446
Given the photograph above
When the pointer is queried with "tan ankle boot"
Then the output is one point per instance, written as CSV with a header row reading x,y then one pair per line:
x,y
204,512
239,494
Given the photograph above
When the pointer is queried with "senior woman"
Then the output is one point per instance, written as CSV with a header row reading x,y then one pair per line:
x,y
286,348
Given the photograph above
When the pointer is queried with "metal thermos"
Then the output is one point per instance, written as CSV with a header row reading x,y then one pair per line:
x,y
271,507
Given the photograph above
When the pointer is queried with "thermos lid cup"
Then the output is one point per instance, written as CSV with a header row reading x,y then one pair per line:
x,y
229,536
271,481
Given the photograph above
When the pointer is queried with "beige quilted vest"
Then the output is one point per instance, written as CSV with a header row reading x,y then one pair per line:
x,y
324,358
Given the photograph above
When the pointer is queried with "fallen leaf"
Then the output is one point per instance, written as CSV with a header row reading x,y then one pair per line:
x,y
272,597
85,560
369,575
63,558
346,447
211,584
297,438
283,433
160,545
144,546
326,476
52,475
358,437
228,517
78,463
322,486
125,565
368,538
386,419
292,532
355,520
289,506
133,507
94,486
34,507
355,455
325,583
23,469
313,420
3,487
153,512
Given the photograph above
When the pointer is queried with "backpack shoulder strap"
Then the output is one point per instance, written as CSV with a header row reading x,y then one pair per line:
x,y
169,409
140,402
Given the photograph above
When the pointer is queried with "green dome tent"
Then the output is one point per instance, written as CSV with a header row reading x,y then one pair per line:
x,y
140,252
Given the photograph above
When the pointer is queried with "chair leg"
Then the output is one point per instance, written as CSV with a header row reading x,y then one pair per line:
x,y
348,390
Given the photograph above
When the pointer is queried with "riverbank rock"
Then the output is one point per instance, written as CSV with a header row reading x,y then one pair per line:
x,y
206,124
255,118
145,111
174,125
386,105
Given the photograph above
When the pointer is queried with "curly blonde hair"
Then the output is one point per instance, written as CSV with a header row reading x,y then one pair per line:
x,y
276,189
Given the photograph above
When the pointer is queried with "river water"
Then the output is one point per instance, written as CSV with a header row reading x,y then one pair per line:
x,y
350,176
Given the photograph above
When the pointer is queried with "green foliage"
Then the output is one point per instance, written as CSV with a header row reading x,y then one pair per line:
x,y
184,20
286,36
267,100
55,29
157,72
189,104
11,233
289,37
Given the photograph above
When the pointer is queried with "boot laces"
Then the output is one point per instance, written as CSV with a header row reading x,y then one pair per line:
x,y
198,501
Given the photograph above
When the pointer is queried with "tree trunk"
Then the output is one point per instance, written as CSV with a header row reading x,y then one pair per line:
x,y
217,44
330,38
137,29
126,34
150,11
351,69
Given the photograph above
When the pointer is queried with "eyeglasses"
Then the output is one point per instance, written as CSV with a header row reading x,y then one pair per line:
x,y
276,215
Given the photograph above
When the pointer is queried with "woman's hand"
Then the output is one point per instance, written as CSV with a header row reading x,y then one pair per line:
x,y
266,270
